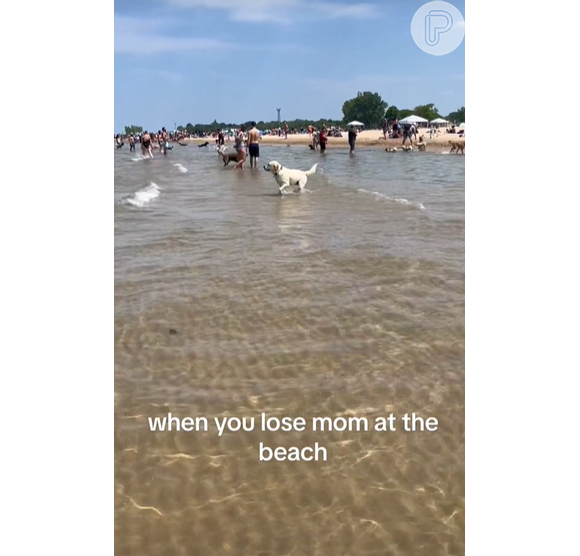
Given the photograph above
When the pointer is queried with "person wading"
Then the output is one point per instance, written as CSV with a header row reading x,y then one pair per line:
x,y
253,145
240,148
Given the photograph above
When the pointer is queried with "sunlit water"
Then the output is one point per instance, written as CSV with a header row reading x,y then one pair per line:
x,y
345,300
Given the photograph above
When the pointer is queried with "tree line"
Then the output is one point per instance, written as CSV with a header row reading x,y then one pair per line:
x,y
370,109
367,108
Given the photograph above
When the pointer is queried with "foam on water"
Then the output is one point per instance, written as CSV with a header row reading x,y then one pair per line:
x,y
143,196
401,201
140,157
180,167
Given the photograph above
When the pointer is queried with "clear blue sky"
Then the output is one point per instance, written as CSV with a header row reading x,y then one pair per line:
x,y
193,61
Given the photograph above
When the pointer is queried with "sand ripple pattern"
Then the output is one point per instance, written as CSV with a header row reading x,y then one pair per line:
x,y
230,301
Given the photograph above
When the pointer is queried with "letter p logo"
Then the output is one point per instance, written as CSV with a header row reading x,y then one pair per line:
x,y
437,22
438,28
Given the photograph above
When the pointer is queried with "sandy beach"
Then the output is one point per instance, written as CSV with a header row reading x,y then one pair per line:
x,y
370,138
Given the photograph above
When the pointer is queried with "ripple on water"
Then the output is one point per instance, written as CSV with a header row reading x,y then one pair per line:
x,y
348,301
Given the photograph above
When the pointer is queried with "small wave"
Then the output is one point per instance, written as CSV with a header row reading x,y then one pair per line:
x,y
378,195
143,196
295,191
180,167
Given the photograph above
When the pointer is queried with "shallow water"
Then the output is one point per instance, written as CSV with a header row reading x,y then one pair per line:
x,y
345,300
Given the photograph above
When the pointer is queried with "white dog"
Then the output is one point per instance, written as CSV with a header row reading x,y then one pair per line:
x,y
285,177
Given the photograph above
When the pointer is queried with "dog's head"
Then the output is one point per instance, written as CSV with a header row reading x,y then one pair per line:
x,y
273,167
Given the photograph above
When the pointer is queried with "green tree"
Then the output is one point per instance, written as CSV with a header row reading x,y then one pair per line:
x,y
427,111
135,129
294,124
458,116
368,108
405,113
392,113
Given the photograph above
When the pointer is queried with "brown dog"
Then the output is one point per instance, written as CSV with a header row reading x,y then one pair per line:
x,y
227,155
457,146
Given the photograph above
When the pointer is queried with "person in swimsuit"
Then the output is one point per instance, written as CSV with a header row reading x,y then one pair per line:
x,y
253,145
385,128
322,139
164,140
146,145
131,143
407,134
240,148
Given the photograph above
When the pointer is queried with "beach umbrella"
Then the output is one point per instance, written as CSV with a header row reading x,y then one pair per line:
x,y
413,120
356,124
462,125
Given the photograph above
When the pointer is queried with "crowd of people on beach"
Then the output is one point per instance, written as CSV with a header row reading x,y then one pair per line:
x,y
393,129
247,143
250,140
148,141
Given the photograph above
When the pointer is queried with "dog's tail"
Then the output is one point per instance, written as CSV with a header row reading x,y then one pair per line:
x,y
312,170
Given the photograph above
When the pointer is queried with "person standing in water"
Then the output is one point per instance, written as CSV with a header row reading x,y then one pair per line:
x,y
146,147
322,139
253,145
352,138
240,148
164,140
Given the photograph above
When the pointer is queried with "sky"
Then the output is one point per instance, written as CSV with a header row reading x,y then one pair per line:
x,y
196,61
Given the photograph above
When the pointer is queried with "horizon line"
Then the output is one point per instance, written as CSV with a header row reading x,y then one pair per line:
x,y
244,122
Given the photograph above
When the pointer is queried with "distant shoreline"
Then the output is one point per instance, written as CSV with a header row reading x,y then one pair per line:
x,y
371,138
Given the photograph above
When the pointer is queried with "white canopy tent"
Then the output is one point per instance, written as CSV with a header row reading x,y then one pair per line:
x,y
355,124
439,121
413,120
462,125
